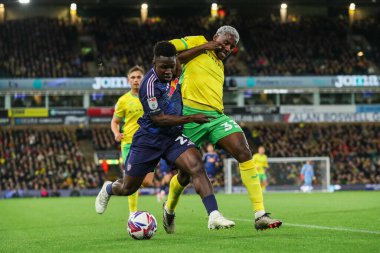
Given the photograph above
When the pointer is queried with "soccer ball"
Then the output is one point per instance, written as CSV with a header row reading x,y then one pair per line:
x,y
142,225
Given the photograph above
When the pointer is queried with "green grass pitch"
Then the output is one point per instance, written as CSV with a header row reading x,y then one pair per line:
x,y
318,222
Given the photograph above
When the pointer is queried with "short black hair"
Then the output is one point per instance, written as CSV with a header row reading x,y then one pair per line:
x,y
164,48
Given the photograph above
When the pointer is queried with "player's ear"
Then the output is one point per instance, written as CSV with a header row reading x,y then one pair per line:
x,y
215,37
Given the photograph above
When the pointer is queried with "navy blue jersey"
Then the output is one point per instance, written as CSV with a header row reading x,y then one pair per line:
x,y
211,160
159,97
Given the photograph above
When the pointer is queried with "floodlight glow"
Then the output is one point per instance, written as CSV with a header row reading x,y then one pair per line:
x,y
73,6
284,6
24,1
144,6
214,7
352,7
360,53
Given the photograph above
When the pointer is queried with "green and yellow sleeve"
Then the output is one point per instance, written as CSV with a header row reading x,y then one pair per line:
x,y
119,110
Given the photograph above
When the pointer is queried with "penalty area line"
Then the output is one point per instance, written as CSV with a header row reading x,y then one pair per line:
x,y
324,227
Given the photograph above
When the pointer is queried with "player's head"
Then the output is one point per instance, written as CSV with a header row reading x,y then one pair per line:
x,y
135,76
164,60
210,148
229,37
261,150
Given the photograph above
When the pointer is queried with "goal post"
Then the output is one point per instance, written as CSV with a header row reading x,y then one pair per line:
x,y
283,174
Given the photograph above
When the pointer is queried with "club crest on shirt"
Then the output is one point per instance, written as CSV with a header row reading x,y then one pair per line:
x,y
152,102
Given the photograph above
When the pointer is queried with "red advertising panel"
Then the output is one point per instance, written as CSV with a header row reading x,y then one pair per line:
x,y
100,111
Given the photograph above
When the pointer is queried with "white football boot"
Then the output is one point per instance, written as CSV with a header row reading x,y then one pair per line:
x,y
217,221
102,199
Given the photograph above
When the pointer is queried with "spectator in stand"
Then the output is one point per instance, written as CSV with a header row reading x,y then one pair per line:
x,y
52,160
103,139
40,47
46,47
353,148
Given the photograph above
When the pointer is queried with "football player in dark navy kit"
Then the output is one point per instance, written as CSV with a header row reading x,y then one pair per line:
x,y
160,136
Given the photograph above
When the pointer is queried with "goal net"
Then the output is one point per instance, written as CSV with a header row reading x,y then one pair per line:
x,y
283,174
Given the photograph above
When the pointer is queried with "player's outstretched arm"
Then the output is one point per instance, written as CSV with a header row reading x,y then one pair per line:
x,y
173,120
186,56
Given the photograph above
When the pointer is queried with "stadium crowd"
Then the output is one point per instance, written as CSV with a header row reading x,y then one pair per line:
x,y
44,160
45,47
352,148
317,46
40,47
112,36
51,159
102,139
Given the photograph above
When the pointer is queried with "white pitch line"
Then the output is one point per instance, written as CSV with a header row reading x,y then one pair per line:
x,y
324,227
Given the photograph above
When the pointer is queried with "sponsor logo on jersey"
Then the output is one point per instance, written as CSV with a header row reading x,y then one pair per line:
x,y
152,102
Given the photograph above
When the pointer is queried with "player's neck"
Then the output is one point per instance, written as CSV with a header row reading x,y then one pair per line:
x,y
135,92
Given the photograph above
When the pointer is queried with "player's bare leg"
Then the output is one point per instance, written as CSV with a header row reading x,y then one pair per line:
x,y
191,162
148,180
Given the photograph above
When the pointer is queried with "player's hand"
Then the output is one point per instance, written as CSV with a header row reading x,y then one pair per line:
x,y
201,118
213,45
118,137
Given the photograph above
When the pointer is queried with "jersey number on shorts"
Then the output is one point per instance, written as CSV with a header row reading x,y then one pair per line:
x,y
183,139
229,126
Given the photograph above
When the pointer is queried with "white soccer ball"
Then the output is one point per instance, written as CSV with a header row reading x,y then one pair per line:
x,y
142,225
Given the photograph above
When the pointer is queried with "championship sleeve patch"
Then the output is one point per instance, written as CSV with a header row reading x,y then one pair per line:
x,y
152,102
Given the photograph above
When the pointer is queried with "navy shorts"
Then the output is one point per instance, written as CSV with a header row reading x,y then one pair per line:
x,y
211,175
147,149
211,172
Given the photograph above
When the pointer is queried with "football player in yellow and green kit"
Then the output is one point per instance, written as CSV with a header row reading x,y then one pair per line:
x,y
261,163
128,110
202,91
